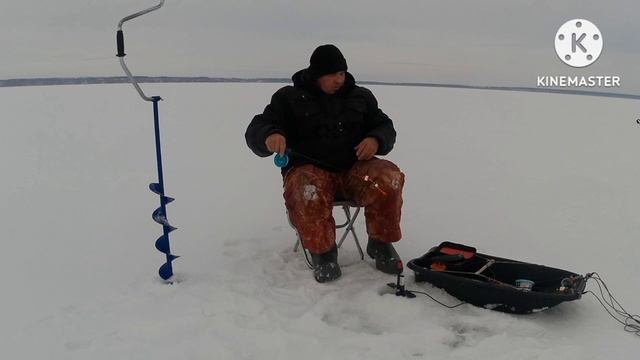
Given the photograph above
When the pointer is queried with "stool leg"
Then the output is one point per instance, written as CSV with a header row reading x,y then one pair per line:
x,y
355,236
351,229
307,258
347,213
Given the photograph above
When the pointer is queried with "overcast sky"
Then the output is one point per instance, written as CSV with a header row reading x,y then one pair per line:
x,y
492,42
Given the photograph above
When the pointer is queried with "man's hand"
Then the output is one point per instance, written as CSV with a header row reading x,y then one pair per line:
x,y
276,143
367,148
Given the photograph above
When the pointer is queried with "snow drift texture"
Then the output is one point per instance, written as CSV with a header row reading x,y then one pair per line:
x,y
550,179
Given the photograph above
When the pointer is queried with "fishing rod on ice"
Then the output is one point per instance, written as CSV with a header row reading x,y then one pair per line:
x,y
160,214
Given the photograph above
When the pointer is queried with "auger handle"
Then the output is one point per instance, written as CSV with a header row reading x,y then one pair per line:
x,y
120,45
120,41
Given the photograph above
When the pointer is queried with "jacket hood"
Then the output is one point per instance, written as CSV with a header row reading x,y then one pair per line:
x,y
302,80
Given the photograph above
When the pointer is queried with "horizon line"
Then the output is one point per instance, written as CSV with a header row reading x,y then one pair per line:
x,y
90,80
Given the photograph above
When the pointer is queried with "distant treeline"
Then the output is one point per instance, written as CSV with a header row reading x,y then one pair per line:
x,y
205,79
124,79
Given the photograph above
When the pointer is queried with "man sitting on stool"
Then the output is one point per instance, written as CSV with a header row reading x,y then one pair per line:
x,y
331,129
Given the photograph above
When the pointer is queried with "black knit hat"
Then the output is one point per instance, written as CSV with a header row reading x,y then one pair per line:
x,y
326,59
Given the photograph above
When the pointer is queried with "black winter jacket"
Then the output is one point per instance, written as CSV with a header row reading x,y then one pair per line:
x,y
321,129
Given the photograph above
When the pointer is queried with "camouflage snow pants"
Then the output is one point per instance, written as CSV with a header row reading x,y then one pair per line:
x,y
309,192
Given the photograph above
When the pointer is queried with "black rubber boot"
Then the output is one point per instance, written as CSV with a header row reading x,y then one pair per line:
x,y
387,259
325,266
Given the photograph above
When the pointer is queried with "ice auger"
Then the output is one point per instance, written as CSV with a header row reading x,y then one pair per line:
x,y
160,214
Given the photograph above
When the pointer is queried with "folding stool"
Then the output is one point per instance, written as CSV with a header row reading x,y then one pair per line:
x,y
350,219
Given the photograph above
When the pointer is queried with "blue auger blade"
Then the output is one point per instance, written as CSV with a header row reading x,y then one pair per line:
x,y
172,257
156,188
167,199
160,217
166,270
162,244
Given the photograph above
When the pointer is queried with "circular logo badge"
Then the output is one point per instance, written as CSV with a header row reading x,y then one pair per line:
x,y
578,43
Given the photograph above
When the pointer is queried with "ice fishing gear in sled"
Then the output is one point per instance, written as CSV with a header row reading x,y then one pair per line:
x,y
495,283
506,285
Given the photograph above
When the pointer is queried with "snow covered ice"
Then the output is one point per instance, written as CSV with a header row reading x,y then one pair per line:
x,y
544,178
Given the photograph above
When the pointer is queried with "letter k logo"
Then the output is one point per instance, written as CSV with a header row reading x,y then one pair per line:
x,y
578,43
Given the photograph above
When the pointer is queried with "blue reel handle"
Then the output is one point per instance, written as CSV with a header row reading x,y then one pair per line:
x,y
281,160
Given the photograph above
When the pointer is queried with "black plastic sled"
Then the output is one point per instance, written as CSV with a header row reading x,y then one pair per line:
x,y
496,283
